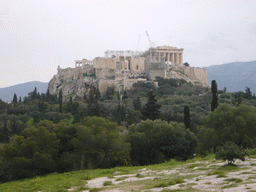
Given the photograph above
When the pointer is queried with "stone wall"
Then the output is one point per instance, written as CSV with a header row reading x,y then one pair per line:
x,y
103,63
138,64
153,73
105,73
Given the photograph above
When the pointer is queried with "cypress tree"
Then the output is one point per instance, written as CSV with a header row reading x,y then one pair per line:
x,y
93,106
60,101
125,95
214,89
187,117
137,103
15,99
119,114
48,95
248,93
34,94
151,109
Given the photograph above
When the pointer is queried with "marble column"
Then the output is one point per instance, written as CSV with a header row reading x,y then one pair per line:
x,y
177,55
168,57
159,56
172,59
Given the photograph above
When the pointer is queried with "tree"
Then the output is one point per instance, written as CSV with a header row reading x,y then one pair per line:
x,y
35,152
4,128
214,103
93,106
48,96
248,93
236,124
110,92
15,99
186,117
230,151
60,101
68,108
157,141
3,106
239,100
125,96
132,117
42,107
137,103
33,95
118,113
101,144
186,64
151,109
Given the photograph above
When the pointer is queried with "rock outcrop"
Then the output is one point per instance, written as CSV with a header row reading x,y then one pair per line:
x,y
76,82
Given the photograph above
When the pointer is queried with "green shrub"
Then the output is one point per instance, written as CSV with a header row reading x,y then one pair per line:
x,y
230,151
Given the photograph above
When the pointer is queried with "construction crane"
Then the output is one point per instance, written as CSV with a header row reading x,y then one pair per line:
x,y
150,42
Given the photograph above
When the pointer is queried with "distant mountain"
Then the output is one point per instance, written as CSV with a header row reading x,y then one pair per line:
x,y
234,76
22,90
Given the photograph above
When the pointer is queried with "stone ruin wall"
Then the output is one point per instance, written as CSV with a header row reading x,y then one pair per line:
x,y
104,63
138,64
153,73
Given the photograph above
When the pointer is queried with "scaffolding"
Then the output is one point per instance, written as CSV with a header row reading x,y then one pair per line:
x,y
128,53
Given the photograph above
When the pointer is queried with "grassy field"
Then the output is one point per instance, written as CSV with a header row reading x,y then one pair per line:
x,y
184,175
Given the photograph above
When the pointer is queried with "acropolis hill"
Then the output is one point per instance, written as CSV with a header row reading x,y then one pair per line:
x,y
121,69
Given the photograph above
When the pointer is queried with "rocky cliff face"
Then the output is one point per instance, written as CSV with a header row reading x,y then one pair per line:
x,y
77,81
190,74
72,81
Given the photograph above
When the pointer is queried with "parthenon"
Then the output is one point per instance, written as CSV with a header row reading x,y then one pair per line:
x,y
171,54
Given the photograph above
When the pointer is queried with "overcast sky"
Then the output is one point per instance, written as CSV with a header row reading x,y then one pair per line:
x,y
38,35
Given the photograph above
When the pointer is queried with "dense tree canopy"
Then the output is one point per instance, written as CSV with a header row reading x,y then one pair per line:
x,y
156,141
151,109
236,124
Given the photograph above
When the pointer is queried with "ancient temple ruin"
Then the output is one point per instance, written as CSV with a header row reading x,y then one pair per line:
x,y
135,60
171,54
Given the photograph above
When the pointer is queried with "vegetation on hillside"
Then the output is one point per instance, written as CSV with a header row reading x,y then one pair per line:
x,y
42,134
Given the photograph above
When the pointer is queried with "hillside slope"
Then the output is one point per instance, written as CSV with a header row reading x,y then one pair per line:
x,y
22,90
239,74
